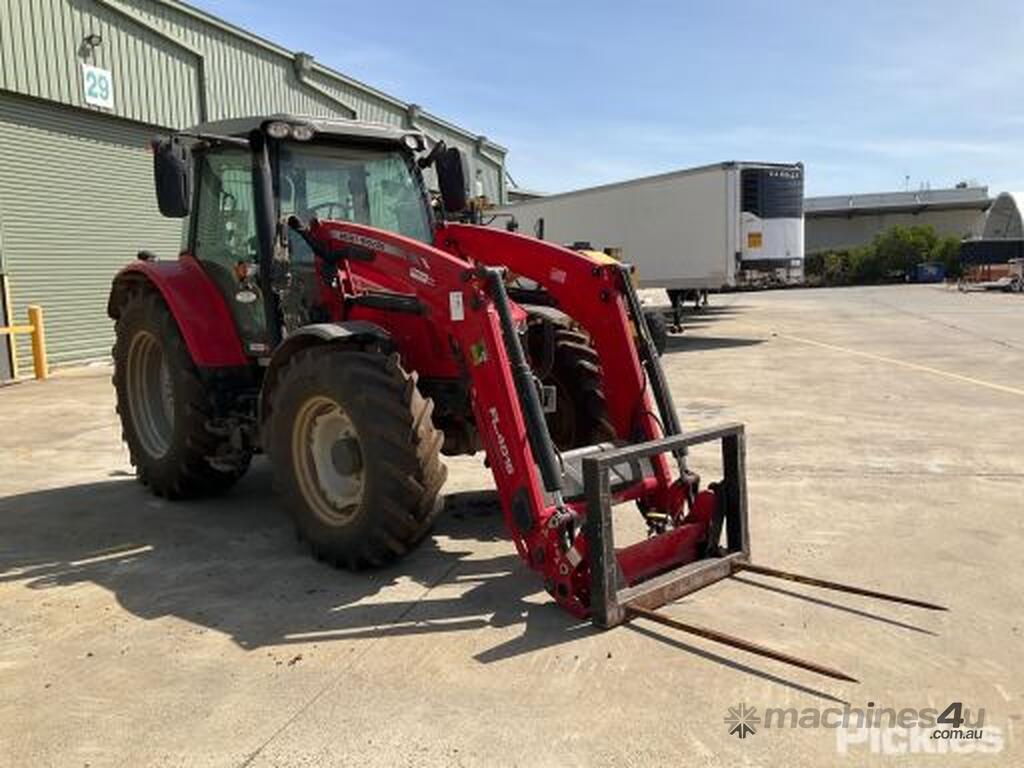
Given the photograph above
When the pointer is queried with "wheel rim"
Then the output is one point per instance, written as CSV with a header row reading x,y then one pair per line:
x,y
328,459
150,394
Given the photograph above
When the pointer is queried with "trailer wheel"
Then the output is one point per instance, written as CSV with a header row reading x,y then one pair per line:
x,y
355,455
658,328
581,414
164,406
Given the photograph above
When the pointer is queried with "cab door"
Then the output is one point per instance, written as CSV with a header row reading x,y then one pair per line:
x,y
224,239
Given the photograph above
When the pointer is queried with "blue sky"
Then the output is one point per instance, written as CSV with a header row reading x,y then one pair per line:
x,y
581,93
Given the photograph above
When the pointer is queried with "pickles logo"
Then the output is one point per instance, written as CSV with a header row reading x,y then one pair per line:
x,y
742,721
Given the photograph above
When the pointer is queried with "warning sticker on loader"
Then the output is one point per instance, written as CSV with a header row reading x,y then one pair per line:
x,y
478,353
455,306
754,239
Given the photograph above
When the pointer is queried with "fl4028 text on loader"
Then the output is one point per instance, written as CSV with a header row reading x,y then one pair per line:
x,y
327,312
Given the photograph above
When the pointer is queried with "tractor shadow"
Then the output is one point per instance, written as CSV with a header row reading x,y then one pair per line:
x,y
233,564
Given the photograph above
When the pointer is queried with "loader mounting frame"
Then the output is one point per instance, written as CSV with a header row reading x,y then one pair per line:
x,y
610,602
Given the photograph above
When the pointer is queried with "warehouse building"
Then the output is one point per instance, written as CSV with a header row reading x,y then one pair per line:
x,y
845,221
84,85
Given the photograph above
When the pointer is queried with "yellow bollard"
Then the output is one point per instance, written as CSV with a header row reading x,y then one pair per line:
x,y
35,319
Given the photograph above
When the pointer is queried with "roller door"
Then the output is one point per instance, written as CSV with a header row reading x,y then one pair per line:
x,y
76,203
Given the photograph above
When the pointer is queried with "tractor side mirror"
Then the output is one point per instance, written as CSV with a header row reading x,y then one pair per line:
x,y
451,179
172,176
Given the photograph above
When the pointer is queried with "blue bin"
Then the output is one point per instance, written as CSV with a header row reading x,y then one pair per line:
x,y
930,273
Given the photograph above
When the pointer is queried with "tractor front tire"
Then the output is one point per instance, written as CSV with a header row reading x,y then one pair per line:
x,y
356,455
581,410
163,405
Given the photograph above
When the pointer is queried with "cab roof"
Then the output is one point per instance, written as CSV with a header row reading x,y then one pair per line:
x,y
323,126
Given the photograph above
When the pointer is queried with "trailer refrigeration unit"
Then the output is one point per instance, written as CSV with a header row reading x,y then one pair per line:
x,y
728,225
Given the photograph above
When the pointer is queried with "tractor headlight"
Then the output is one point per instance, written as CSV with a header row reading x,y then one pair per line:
x,y
302,132
278,130
413,141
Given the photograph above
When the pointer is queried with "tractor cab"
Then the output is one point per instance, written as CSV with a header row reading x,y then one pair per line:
x,y
239,184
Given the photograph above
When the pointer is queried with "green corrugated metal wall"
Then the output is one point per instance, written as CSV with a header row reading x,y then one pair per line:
x,y
168,60
41,55
77,200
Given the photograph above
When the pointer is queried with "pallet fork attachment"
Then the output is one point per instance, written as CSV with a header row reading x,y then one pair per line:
x,y
614,603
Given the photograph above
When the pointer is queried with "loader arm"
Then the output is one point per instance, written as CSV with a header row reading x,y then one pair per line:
x,y
465,299
589,291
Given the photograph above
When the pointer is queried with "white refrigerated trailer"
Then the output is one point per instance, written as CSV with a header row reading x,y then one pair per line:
x,y
726,225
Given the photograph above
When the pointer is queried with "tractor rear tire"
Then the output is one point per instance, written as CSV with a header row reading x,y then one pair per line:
x,y
164,406
581,411
356,455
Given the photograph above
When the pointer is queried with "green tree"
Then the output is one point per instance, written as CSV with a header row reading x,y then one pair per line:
x,y
898,250
947,252
892,255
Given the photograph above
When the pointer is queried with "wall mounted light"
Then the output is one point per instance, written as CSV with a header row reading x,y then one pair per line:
x,y
89,44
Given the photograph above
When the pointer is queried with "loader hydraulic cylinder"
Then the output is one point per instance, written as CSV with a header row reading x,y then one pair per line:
x,y
533,412
649,356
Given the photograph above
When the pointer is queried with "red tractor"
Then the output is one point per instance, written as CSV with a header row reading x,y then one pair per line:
x,y
326,311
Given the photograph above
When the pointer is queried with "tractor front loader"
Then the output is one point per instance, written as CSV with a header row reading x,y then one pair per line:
x,y
327,311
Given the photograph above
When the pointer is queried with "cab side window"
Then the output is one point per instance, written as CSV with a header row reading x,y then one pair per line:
x,y
225,228
225,235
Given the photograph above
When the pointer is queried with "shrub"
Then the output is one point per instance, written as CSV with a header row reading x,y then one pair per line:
x,y
891,256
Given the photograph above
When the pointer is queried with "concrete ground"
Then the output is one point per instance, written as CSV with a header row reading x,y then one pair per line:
x,y
884,435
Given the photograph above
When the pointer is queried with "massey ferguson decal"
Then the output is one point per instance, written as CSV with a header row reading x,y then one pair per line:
x,y
373,244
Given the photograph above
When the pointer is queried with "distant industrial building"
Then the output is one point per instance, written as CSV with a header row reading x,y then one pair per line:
x,y
84,85
1000,239
846,221
521,194
1003,219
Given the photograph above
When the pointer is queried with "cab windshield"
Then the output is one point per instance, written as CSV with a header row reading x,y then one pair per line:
x,y
365,186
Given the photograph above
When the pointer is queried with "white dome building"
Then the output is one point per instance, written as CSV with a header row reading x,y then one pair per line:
x,y
1003,218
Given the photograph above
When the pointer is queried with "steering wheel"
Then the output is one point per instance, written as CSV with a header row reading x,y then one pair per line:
x,y
330,207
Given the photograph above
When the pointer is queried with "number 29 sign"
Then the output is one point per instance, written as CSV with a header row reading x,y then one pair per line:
x,y
99,86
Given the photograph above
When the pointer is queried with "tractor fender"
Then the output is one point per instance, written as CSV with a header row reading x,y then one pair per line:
x,y
199,309
357,332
